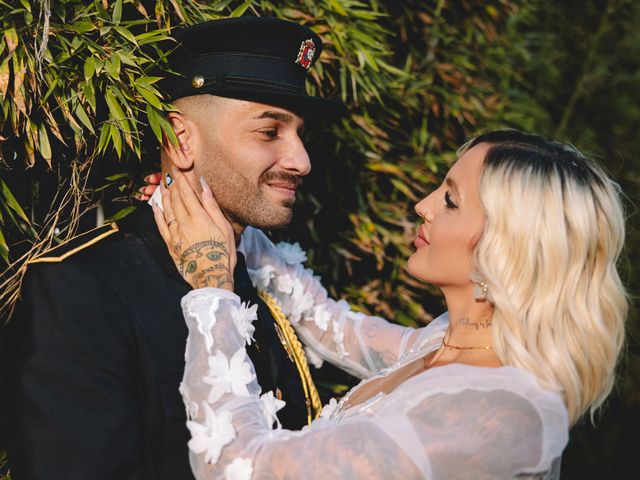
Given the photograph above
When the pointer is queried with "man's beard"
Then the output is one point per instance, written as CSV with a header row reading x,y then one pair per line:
x,y
244,202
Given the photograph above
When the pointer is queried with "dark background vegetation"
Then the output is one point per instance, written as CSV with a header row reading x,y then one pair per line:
x,y
79,115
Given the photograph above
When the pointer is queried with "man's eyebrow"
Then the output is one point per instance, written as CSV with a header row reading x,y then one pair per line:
x,y
452,185
279,116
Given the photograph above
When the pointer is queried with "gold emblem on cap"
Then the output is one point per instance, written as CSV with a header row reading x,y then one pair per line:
x,y
197,81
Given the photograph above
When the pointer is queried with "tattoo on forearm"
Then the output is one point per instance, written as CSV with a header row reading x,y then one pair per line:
x,y
468,323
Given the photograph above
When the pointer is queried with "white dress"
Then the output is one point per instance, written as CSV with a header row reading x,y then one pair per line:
x,y
449,422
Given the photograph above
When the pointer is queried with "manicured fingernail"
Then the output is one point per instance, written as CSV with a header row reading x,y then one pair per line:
x,y
204,185
168,179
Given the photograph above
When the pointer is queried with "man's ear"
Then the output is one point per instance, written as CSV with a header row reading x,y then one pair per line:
x,y
180,155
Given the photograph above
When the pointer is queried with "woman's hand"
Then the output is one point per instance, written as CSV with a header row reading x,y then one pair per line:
x,y
200,239
152,182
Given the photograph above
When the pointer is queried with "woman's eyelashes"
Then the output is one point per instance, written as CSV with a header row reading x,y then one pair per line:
x,y
449,203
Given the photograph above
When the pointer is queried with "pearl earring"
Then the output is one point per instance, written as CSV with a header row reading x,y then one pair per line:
x,y
480,288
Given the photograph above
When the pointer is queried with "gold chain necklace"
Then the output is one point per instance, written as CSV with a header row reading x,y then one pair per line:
x,y
434,356
456,347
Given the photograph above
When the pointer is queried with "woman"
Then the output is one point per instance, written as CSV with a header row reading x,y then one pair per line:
x,y
522,238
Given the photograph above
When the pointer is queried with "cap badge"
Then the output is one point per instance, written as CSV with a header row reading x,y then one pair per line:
x,y
197,81
306,53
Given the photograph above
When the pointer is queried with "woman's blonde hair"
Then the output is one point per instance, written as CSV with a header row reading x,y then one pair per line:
x,y
554,231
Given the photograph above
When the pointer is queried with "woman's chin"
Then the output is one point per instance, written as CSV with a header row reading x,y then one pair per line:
x,y
415,268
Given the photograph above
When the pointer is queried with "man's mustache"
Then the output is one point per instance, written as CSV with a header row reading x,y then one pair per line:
x,y
284,177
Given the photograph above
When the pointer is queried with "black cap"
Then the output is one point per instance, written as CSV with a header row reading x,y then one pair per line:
x,y
259,59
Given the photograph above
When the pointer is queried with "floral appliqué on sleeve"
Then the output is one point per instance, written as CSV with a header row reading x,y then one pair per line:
x,y
270,406
243,318
239,469
228,376
209,438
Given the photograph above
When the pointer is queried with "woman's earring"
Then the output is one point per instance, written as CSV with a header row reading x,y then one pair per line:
x,y
480,288
168,180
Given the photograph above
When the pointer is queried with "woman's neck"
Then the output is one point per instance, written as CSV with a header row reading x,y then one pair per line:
x,y
469,319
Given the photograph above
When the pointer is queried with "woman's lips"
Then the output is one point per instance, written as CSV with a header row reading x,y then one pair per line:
x,y
420,240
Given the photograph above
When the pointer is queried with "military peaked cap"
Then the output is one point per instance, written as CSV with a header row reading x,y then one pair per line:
x,y
259,59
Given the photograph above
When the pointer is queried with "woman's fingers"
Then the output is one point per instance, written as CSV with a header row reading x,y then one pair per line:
x,y
162,224
209,202
169,214
187,195
179,210
153,178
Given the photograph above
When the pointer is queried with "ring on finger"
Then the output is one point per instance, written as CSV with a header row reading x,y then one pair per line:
x,y
170,222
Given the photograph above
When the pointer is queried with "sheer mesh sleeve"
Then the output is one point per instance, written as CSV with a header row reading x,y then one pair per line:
x,y
360,344
441,424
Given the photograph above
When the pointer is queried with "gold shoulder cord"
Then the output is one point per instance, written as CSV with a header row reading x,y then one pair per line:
x,y
294,347
45,258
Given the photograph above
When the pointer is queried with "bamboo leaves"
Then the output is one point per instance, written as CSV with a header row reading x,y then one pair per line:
x,y
410,74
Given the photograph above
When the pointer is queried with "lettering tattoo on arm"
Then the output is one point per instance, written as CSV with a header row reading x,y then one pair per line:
x,y
206,264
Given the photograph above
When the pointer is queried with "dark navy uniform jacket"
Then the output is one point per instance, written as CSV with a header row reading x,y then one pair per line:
x,y
95,355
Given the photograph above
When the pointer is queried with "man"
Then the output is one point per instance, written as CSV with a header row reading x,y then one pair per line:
x,y
96,349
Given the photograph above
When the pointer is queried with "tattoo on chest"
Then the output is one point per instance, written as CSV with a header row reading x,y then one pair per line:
x,y
206,264
477,324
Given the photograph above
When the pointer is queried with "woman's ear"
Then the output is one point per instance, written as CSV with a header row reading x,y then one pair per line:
x,y
180,155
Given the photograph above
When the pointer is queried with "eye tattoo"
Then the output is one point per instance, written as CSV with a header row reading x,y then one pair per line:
x,y
192,266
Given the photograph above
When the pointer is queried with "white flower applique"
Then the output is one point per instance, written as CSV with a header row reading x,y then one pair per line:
x,y
298,302
243,317
262,276
329,408
190,406
321,316
292,253
270,406
239,469
313,358
228,376
216,432
284,284
338,333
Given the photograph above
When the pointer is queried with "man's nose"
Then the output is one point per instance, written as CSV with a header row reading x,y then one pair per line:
x,y
296,159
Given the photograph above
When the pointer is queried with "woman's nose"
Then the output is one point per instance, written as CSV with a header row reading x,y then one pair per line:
x,y
422,210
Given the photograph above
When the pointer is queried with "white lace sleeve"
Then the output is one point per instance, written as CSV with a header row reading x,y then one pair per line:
x,y
419,431
360,344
